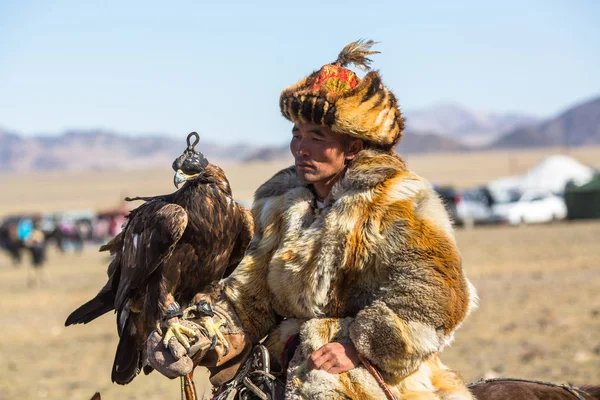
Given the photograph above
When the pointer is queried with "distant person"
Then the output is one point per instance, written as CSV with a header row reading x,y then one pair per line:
x,y
35,242
24,229
57,235
80,232
116,224
101,229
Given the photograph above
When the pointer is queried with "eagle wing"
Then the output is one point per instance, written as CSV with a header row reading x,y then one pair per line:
x,y
149,237
242,241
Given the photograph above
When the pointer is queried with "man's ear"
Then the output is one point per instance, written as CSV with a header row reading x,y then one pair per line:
x,y
354,147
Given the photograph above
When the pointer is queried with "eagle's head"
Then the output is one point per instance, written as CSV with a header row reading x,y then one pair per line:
x,y
190,164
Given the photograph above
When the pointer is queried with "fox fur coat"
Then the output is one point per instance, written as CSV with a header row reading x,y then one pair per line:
x,y
379,267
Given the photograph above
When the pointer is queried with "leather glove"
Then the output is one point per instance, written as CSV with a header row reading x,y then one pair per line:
x,y
174,361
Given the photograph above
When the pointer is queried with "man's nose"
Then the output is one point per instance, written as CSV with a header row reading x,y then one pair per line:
x,y
302,149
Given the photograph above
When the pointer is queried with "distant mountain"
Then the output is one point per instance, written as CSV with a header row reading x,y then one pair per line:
x,y
268,153
97,149
577,126
428,143
409,144
470,127
9,142
101,150
445,128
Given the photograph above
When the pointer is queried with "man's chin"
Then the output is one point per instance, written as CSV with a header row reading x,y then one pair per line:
x,y
306,178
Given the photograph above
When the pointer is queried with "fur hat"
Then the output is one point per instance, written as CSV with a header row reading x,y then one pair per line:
x,y
336,97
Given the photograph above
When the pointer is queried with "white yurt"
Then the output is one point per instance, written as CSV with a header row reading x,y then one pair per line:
x,y
551,175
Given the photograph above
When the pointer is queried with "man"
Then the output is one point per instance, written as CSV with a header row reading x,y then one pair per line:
x,y
353,272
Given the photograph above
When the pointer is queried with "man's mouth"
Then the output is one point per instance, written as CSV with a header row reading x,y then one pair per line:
x,y
304,165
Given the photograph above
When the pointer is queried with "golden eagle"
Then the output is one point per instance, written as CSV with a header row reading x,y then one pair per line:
x,y
171,248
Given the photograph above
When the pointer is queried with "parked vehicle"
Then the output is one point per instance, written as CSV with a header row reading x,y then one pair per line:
x,y
474,206
467,207
530,208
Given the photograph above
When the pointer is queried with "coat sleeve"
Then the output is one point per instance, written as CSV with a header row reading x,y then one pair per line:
x,y
244,309
246,289
424,294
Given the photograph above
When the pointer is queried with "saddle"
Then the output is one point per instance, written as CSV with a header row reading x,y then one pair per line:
x,y
254,380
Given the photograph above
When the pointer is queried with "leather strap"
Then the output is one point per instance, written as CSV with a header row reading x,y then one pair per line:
x,y
388,393
188,388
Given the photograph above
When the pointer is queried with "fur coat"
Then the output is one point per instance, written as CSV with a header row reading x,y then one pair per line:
x,y
378,267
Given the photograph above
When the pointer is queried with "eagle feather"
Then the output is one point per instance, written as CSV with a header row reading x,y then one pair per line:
x,y
171,248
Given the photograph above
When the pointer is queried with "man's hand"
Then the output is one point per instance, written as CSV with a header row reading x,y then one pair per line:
x,y
173,360
334,358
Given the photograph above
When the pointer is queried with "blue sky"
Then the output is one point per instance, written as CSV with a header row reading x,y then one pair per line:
x,y
218,68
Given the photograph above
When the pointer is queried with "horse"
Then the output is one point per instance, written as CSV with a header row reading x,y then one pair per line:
x,y
35,244
522,389
9,241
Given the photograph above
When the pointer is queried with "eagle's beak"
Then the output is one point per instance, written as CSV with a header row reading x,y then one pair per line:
x,y
179,178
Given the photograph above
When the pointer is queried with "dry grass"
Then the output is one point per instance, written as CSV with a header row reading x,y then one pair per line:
x,y
40,358
98,190
539,316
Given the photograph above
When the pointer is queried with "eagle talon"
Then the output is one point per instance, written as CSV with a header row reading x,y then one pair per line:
x,y
207,326
179,332
226,347
214,343
187,311
203,308
204,331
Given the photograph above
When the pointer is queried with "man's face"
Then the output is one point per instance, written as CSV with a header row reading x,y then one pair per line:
x,y
319,153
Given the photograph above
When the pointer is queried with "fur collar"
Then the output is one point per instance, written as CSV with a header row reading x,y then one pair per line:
x,y
369,169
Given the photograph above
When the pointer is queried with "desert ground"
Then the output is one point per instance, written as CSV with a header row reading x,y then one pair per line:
x,y
539,313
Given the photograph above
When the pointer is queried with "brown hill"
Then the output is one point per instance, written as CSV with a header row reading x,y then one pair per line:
x,y
464,124
410,143
577,126
100,150
428,143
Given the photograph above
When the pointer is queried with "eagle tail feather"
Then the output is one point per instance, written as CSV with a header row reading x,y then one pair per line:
x,y
127,364
99,305
105,247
